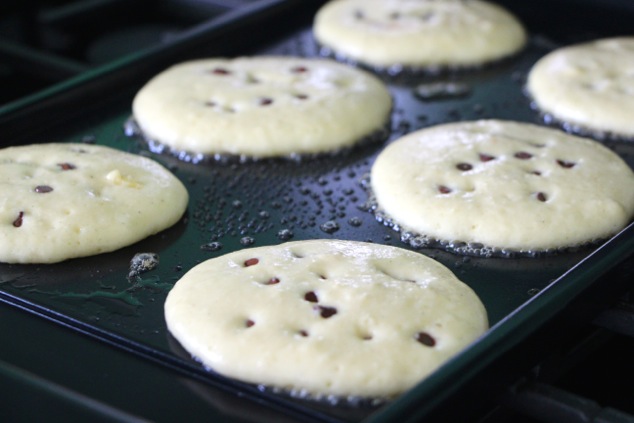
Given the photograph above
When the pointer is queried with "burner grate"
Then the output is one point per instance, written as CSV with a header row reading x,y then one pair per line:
x,y
587,381
47,41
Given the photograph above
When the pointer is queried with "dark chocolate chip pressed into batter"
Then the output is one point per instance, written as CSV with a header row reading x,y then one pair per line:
x,y
311,297
220,71
523,155
299,69
43,189
486,157
66,166
325,311
566,164
18,221
425,339
273,281
444,189
251,262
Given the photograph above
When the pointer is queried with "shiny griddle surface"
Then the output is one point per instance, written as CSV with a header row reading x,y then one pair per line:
x,y
239,205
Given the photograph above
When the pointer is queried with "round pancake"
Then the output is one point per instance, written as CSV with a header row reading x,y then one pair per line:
x,y
418,34
61,201
588,85
324,317
263,106
506,185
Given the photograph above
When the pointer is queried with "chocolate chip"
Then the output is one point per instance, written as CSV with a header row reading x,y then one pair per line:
x,y
301,96
43,189
326,312
18,221
220,71
249,323
299,69
425,339
486,157
536,172
443,189
464,166
251,262
541,197
265,101
66,166
273,281
302,333
311,297
523,155
566,164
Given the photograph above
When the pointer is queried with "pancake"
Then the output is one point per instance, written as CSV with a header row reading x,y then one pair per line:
x,y
61,201
262,107
589,87
505,185
418,34
324,317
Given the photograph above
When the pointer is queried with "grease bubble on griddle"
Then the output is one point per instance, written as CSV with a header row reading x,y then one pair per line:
x,y
211,246
285,234
141,263
330,227
533,291
519,77
441,90
89,139
355,221
418,242
402,126
454,114
478,108
247,241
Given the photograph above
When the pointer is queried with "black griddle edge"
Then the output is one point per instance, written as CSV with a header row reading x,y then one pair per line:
x,y
556,316
512,347
231,31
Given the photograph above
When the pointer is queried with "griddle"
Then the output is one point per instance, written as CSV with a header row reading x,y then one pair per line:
x,y
239,205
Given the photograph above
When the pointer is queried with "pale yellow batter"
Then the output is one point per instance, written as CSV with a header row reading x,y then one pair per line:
x,y
262,106
419,33
589,85
61,201
504,184
324,317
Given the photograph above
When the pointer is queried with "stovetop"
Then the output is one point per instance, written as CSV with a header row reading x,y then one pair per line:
x,y
47,369
43,42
